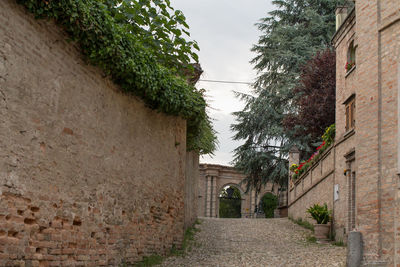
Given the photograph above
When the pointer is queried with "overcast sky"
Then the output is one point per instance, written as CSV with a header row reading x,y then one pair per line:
x,y
225,32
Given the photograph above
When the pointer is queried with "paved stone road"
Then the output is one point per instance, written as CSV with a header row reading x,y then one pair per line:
x,y
253,243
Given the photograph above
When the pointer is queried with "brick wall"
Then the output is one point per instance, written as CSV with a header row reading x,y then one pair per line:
x,y
375,82
313,187
191,188
378,31
367,160
346,86
88,176
317,185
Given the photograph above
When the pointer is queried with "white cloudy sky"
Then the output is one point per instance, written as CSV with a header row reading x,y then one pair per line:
x,y
225,32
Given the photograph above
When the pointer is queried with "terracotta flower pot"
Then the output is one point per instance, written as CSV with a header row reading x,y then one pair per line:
x,y
321,231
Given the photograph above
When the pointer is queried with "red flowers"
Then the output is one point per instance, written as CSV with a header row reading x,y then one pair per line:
x,y
297,170
323,144
348,65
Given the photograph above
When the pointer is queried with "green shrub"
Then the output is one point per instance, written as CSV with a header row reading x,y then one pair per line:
x,y
150,261
302,223
311,239
269,204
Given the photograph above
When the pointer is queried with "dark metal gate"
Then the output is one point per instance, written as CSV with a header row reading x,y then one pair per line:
x,y
230,207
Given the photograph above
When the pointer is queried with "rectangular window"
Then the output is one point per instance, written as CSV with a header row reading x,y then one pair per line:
x,y
350,113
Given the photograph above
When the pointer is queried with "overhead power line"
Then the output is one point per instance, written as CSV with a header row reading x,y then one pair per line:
x,y
216,81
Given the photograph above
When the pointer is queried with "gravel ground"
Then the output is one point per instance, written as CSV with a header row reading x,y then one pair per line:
x,y
256,242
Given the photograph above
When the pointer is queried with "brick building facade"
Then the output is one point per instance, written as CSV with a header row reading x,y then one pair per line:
x,y
362,189
367,162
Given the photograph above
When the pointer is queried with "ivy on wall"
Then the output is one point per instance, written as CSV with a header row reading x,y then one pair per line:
x,y
133,67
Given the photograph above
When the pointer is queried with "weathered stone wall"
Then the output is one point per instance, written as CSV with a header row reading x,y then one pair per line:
x,y
191,188
88,176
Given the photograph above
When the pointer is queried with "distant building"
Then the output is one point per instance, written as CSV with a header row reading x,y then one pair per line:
x,y
214,178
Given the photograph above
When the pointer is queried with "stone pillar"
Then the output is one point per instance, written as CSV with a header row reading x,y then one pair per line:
x,y
208,196
253,203
294,158
214,197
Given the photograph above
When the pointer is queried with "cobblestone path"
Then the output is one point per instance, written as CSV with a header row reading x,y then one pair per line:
x,y
256,242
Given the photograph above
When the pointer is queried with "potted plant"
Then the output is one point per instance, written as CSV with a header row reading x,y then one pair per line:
x,y
322,215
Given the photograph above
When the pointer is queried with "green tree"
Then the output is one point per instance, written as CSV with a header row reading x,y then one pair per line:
x,y
291,35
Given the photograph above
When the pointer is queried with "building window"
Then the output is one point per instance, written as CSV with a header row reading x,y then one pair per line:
x,y
350,105
351,57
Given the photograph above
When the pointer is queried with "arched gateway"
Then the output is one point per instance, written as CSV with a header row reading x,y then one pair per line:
x,y
214,179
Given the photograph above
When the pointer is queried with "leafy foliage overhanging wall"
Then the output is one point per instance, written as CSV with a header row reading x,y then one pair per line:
x,y
109,43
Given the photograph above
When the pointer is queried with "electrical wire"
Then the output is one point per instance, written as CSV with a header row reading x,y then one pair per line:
x,y
217,81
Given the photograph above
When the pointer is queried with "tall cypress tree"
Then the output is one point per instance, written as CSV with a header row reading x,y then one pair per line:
x,y
291,35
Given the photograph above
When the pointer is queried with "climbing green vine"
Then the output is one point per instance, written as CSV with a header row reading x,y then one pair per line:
x,y
135,68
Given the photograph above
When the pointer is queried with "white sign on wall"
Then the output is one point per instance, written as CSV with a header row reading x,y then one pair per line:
x,y
336,192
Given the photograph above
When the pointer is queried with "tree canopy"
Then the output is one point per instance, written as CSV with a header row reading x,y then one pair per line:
x,y
315,97
290,36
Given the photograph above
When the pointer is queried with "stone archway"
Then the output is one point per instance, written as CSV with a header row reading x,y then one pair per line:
x,y
212,179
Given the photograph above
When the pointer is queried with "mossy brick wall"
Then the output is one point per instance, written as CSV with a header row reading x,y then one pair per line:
x,y
88,176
